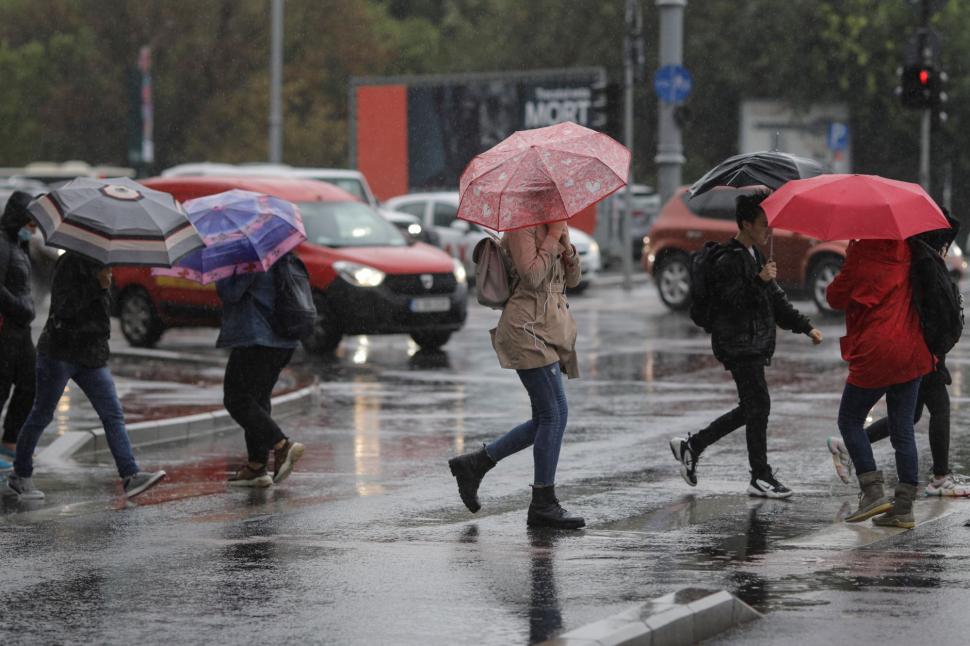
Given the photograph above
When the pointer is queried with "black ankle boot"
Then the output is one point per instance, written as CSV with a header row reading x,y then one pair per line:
x,y
469,469
546,512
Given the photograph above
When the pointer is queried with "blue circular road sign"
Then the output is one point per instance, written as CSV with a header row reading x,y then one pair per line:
x,y
672,83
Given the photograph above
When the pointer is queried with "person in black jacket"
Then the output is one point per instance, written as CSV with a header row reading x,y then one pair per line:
x,y
17,355
747,306
74,346
928,248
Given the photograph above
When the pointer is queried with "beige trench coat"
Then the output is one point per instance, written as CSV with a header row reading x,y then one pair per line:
x,y
536,328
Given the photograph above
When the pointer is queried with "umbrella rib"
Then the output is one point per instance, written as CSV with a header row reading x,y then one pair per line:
x,y
548,173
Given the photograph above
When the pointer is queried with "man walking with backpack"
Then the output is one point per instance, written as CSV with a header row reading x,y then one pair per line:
x,y
744,306
261,346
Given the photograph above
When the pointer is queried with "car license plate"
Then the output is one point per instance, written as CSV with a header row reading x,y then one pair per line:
x,y
440,304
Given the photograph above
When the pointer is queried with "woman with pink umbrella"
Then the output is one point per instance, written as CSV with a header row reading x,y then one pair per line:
x,y
528,185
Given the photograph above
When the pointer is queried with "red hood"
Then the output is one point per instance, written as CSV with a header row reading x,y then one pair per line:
x,y
413,259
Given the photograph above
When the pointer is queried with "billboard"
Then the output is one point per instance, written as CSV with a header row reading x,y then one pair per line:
x,y
418,133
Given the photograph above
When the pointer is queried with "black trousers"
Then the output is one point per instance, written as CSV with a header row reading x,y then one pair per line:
x,y
752,411
18,362
248,386
935,397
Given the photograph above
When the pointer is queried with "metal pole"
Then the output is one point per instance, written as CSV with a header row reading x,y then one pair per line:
x,y
670,150
924,151
629,60
926,55
276,85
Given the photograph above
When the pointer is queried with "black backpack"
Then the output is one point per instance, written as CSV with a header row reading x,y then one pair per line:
x,y
702,284
294,314
937,299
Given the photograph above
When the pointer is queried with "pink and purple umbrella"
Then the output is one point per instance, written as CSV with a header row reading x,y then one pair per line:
x,y
243,232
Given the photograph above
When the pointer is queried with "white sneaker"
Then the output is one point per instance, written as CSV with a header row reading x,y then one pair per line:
x,y
840,458
948,485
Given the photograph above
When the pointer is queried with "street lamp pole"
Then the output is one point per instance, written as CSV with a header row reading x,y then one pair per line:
x,y
670,150
632,57
276,85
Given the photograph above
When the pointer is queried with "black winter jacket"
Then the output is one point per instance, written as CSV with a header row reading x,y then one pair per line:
x,y
924,275
79,324
746,309
16,302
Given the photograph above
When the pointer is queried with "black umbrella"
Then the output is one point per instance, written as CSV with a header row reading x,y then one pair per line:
x,y
766,168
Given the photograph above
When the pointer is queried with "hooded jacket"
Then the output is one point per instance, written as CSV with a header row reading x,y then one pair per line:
x,y
16,302
747,310
79,325
536,328
883,341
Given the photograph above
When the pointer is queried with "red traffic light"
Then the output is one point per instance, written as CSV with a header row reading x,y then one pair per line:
x,y
924,76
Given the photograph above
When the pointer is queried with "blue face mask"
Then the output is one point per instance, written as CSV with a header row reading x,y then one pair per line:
x,y
24,234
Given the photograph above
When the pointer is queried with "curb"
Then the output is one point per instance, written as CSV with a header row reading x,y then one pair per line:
x,y
176,429
616,280
684,617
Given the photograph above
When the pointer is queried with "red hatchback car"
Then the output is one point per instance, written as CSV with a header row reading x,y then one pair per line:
x,y
805,265
367,277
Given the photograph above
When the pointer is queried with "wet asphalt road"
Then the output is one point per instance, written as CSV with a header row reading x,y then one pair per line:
x,y
368,543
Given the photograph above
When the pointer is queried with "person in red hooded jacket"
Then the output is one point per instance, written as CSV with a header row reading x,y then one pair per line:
x,y
887,355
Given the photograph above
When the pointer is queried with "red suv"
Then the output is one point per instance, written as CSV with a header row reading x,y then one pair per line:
x,y
684,225
368,277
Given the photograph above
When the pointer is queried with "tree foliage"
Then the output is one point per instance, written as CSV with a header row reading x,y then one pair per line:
x,y
66,70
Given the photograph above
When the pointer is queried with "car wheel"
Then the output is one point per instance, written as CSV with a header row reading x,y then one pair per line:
x,y
326,335
823,273
673,281
139,320
431,340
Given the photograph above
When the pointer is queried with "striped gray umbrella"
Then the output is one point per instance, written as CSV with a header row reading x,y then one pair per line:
x,y
115,221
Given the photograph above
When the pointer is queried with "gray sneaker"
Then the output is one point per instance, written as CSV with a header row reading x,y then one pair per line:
x,y
24,487
141,482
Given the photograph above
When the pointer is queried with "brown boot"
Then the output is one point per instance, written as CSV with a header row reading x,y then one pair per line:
x,y
872,498
901,514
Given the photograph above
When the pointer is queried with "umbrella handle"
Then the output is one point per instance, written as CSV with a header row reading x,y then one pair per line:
x,y
771,247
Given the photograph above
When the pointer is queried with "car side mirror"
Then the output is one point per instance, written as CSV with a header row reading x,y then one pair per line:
x,y
460,225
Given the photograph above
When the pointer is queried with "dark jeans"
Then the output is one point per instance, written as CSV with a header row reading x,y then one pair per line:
x,y
545,430
901,405
18,371
935,397
99,387
248,386
754,405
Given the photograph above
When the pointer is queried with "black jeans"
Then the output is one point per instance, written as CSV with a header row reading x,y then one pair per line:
x,y
18,369
248,386
935,397
752,412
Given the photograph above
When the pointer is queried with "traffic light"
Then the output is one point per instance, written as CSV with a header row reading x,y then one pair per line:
x,y
921,87
606,108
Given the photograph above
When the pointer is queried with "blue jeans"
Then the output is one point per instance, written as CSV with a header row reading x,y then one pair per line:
x,y
901,406
98,387
545,430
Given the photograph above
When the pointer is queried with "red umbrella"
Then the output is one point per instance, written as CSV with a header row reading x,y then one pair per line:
x,y
853,207
541,175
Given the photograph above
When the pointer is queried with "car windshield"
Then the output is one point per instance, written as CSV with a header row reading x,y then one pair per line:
x,y
348,224
349,184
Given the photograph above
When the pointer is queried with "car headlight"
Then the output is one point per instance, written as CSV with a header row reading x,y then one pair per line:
x,y
414,229
460,274
359,275
594,248
956,250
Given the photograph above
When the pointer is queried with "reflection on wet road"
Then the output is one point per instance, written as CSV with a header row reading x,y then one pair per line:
x,y
368,543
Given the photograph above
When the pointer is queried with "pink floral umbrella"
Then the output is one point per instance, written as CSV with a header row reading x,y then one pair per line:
x,y
541,175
